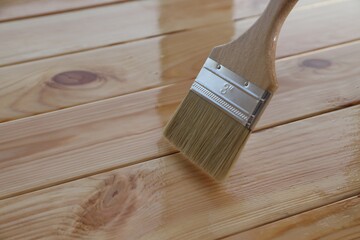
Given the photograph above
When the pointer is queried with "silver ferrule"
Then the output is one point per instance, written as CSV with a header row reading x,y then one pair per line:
x,y
241,99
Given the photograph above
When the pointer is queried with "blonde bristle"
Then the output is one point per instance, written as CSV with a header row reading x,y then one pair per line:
x,y
206,135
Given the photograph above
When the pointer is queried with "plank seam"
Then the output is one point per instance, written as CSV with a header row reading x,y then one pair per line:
x,y
306,116
319,49
347,197
109,169
191,79
166,85
55,12
154,36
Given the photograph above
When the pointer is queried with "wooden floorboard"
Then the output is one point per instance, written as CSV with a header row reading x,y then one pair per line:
x,y
11,10
340,220
310,163
50,148
106,25
86,88
70,80
33,40
19,9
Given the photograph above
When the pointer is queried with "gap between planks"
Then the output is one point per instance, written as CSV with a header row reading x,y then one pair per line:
x,y
301,6
317,222
99,48
18,14
319,49
169,33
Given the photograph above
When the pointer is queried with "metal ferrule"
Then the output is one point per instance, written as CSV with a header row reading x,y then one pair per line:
x,y
241,99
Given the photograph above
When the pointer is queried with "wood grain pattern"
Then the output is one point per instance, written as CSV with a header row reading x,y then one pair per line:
x,y
340,220
315,72
81,33
252,55
305,167
33,40
43,150
51,84
16,9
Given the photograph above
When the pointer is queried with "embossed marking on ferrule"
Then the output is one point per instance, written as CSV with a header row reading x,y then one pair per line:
x,y
241,99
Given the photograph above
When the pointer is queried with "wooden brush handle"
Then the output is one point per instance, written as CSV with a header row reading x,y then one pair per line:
x,y
252,55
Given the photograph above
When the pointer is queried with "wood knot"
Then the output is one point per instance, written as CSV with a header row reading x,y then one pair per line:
x,y
77,77
316,63
113,203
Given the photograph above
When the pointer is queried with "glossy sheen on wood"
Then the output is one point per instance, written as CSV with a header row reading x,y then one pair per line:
x,y
15,9
34,42
287,170
94,137
111,21
340,220
172,200
29,89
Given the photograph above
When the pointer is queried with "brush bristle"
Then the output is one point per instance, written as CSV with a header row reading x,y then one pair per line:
x,y
206,135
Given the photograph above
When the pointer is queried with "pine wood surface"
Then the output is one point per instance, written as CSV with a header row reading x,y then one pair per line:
x,y
74,79
83,27
340,220
114,129
171,199
17,9
81,149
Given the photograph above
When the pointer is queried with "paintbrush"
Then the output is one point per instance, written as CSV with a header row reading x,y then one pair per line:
x,y
215,119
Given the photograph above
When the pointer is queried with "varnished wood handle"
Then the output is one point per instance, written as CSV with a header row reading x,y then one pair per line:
x,y
252,55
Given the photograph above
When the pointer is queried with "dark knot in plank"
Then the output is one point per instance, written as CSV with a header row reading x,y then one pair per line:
x,y
77,77
316,63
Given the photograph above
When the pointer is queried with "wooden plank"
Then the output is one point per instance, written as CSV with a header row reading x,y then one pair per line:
x,y
315,34
16,9
340,220
314,75
305,167
56,83
51,148
46,36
